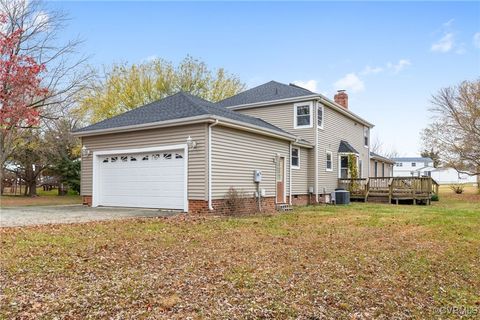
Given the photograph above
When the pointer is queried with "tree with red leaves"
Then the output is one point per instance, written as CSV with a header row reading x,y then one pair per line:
x,y
20,86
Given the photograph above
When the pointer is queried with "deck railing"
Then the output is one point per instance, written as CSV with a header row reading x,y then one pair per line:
x,y
395,188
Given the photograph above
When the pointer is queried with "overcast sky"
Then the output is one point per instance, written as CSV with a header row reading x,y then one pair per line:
x,y
390,57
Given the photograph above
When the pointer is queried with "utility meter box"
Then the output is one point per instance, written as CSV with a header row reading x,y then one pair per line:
x,y
257,175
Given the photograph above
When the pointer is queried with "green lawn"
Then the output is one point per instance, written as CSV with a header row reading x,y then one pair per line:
x,y
45,198
363,261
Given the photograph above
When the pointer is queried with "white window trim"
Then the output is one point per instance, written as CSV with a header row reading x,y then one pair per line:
x,y
340,154
301,104
331,161
295,167
321,106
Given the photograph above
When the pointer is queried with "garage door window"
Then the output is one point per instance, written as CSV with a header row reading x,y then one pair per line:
x,y
113,159
178,156
133,159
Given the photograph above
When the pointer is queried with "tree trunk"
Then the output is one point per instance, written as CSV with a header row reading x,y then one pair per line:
x,y
30,179
478,181
32,188
1,180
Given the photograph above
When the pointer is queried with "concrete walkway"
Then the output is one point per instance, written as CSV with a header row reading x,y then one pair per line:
x,y
28,216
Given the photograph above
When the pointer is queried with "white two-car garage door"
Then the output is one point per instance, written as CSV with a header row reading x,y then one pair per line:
x,y
144,179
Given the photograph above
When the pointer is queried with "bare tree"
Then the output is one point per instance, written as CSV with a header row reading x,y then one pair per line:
x,y
65,68
455,130
378,147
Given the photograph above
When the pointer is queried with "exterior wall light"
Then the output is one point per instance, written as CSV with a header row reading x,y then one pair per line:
x,y
85,151
190,143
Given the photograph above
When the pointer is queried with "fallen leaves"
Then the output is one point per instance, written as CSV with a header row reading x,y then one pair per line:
x,y
314,263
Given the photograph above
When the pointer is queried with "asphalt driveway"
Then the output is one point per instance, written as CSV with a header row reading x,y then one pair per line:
x,y
28,216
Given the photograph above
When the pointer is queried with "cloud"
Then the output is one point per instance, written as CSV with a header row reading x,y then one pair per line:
x,y
476,40
399,66
309,84
461,49
445,44
449,23
371,70
350,82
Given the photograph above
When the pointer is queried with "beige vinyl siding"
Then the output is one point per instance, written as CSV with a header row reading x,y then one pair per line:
x,y
197,164
388,168
236,154
300,177
338,127
282,116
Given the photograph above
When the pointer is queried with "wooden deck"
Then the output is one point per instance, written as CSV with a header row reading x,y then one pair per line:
x,y
391,189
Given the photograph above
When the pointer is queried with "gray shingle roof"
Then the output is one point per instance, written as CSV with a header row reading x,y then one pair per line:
x,y
345,147
177,106
266,92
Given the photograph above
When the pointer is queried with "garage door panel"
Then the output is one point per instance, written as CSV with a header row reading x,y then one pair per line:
x,y
141,192
143,178
151,180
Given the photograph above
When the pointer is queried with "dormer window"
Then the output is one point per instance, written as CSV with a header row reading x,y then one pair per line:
x,y
303,115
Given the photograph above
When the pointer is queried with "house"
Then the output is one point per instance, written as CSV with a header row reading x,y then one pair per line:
x,y
380,166
451,176
185,153
412,167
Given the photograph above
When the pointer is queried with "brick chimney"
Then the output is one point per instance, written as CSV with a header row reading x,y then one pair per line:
x,y
341,97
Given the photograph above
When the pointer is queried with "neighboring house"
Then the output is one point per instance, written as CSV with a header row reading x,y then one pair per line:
x,y
451,176
412,167
185,153
380,166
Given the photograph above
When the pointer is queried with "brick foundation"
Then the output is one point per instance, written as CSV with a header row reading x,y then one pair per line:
x,y
302,199
249,205
220,206
87,200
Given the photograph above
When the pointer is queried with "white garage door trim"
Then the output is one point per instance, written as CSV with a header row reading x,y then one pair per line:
x,y
95,171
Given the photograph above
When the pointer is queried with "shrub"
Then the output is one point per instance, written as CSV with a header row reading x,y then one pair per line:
x,y
434,197
235,201
457,188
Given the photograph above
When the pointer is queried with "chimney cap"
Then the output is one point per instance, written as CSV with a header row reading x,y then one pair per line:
x,y
342,90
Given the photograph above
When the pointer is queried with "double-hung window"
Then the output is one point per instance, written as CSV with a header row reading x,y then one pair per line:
x,y
295,158
365,136
329,162
303,115
320,115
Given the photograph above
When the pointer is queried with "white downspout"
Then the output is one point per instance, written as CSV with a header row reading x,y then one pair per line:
x,y
290,175
316,150
210,207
